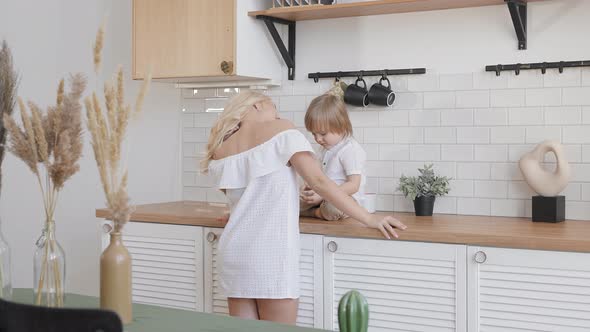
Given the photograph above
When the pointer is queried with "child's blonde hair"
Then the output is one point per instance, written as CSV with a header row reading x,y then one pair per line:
x,y
229,121
327,113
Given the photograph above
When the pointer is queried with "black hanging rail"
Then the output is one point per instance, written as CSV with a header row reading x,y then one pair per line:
x,y
517,67
362,73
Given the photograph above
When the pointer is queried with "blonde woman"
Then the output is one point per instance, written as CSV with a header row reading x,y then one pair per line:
x,y
254,156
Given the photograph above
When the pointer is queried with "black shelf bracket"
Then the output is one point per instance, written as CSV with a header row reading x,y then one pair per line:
x,y
288,52
518,11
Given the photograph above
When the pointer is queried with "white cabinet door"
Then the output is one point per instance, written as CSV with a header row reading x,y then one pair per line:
x,y
311,300
167,264
409,286
528,290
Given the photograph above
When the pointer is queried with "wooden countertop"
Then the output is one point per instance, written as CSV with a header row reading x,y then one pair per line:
x,y
570,235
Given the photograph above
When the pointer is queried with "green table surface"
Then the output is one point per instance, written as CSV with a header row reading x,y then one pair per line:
x,y
148,318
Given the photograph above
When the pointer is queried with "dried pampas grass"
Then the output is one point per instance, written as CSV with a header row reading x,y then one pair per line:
x,y
52,141
108,129
8,85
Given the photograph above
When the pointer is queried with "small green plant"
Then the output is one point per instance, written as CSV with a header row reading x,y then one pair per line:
x,y
426,184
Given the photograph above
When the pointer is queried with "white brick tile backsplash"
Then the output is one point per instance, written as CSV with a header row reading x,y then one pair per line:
x,y
473,135
586,153
384,203
569,77
515,152
423,82
489,80
372,185
378,135
457,152
563,115
473,206
491,117
508,207
394,152
445,204
498,153
205,119
410,135
461,188
525,116
503,135
506,171
456,81
393,118
372,151
476,171
292,104
215,104
576,96
193,105
577,210
520,190
424,118
380,168
387,186
473,127
543,97
364,119
585,187
443,135
403,204
439,99
535,135
188,120
306,88
580,172
194,194
195,135
473,99
526,79
425,152
227,92
576,134
457,117
491,189
507,98
573,191
408,101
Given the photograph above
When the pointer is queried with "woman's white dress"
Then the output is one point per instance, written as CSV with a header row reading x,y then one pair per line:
x,y
259,248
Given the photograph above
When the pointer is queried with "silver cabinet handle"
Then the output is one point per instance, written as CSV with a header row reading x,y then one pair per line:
x,y
332,246
211,237
480,257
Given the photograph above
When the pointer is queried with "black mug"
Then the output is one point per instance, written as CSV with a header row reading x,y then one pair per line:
x,y
380,94
357,95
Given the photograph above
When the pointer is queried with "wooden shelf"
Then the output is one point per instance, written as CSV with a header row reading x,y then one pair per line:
x,y
367,8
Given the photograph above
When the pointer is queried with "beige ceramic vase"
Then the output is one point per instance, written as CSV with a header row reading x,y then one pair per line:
x,y
115,279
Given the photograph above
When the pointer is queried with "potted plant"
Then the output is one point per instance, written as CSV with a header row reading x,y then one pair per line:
x,y
423,189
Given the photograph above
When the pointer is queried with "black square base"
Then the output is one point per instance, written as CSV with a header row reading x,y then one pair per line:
x,y
549,209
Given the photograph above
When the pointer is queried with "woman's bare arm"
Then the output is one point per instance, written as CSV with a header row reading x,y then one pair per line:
x,y
305,165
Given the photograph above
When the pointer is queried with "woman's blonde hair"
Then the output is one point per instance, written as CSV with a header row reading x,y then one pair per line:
x,y
229,122
327,113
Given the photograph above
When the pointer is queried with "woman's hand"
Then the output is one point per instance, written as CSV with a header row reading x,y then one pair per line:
x,y
311,197
386,225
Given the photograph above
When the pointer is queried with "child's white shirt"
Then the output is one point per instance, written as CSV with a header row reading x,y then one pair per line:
x,y
343,159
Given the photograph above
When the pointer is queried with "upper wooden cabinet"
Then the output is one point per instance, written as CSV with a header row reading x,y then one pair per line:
x,y
201,41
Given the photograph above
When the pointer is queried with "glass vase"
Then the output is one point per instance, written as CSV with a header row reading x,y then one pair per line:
x,y
49,269
5,276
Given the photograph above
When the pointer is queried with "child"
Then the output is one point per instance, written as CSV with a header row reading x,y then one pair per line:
x,y
342,157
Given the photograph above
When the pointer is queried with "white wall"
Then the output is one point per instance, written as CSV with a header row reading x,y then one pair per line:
x,y
472,125
49,40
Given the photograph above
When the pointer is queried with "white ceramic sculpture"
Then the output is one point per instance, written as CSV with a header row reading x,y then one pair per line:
x,y
545,183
